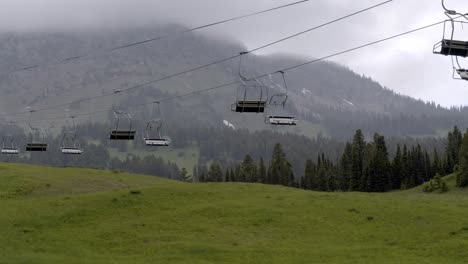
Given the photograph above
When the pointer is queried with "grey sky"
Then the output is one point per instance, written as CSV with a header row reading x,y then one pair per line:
x,y
405,65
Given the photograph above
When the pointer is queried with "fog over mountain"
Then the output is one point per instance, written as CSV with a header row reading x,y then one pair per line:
x,y
405,65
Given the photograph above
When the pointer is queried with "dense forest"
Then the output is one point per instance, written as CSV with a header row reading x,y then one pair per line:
x,y
363,166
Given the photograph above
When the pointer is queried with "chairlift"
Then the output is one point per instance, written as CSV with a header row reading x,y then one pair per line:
x,y
459,72
252,95
449,46
463,73
277,104
70,145
119,133
282,120
9,146
37,142
153,129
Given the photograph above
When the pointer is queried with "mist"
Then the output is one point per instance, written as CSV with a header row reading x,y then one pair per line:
x,y
405,65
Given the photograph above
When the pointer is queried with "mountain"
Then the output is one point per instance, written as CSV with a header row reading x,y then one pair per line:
x,y
329,99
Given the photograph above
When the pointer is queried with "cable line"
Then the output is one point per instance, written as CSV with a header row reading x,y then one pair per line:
x,y
262,75
206,65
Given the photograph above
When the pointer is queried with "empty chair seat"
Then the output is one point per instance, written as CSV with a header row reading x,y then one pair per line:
x,y
454,48
463,73
122,134
282,120
10,151
250,106
161,142
72,151
36,147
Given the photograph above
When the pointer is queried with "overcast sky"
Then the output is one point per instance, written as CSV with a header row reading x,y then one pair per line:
x,y
405,65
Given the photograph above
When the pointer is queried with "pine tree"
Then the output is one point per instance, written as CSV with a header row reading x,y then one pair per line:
x,y
429,173
261,171
215,174
358,148
248,170
452,149
462,174
280,170
397,169
436,166
405,170
378,170
346,168
308,174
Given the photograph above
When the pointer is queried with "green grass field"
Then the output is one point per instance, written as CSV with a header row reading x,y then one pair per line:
x,y
51,215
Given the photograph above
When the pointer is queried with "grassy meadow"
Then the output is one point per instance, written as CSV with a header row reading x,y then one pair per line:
x,y
54,215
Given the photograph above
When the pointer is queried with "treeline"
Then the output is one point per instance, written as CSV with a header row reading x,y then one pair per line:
x,y
278,172
95,155
363,166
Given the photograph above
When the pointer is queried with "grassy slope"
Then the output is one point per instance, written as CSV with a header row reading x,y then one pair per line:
x,y
86,216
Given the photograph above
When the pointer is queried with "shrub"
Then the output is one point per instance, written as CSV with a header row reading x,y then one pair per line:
x,y
436,184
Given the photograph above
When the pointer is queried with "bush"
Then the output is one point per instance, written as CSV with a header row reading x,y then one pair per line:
x,y
436,184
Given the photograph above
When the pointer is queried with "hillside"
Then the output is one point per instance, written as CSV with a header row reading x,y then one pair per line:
x,y
329,98
52,215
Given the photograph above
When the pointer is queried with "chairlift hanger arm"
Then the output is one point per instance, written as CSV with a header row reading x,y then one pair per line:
x,y
450,13
241,55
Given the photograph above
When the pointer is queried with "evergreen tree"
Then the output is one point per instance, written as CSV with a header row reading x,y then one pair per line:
x,y
261,171
308,175
379,167
322,174
346,168
248,170
452,150
436,166
280,170
215,174
405,169
357,165
429,174
397,169
462,174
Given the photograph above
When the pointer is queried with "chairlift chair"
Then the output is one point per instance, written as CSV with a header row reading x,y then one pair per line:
x,y
122,134
37,146
463,73
153,129
155,139
70,145
252,96
34,145
459,72
278,101
450,46
9,146
282,120
157,142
